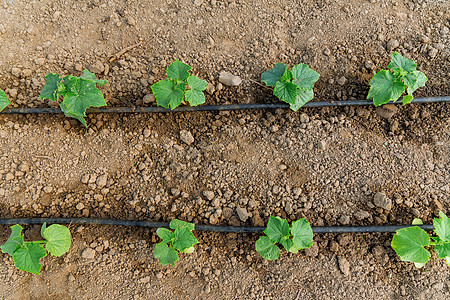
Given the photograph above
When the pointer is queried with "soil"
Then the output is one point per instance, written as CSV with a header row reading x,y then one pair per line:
x,y
324,164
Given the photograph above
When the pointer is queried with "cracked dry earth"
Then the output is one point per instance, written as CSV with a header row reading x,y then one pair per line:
x,y
335,166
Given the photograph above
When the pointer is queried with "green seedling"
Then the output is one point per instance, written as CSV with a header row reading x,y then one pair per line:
x,y
181,239
78,93
4,102
292,238
179,86
390,85
292,86
27,255
409,243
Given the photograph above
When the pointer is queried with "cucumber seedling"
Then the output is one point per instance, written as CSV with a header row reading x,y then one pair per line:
x,y
409,243
389,85
292,86
179,86
292,238
4,102
27,255
78,93
181,239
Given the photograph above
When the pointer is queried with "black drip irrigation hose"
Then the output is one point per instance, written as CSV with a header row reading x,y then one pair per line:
x,y
231,229
49,110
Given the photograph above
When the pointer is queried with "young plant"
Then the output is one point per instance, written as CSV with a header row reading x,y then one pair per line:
x,y
298,236
78,93
292,86
181,239
4,102
179,86
409,243
389,85
26,255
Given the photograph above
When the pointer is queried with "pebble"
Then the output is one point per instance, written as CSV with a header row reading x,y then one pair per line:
x,y
48,189
97,67
147,132
344,220
381,200
256,220
149,98
386,111
101,180
341,80
85,178
392,44
312,251
80,206
322,145
242,213
16,72
27,73
361,215
209,195
9,176
39,61
432,52
304,118
229,79
186,137
210,88
131,21
88,253
344,265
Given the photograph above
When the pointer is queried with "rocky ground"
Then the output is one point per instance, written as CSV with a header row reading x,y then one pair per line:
x,y
335,166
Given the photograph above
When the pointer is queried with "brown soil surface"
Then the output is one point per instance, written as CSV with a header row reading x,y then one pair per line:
x,y
324,164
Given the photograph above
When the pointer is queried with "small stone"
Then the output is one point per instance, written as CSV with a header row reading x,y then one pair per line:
x,y
304,118
9,176
88,253
159,275
381,200
12,92
78,67
147,132
341,80
175,192
297,191
242,213
334,246
288,208
344,265
24,168
80,206
85,178
386,111
27,73
425,39
198,2
101,180
16,72
256,220
209,195
186,136
131,21
229,79
344,220
392,44
149,98
327,52
361,215
210,88
207,288
39,61
432,52
48,189
322,145
97,67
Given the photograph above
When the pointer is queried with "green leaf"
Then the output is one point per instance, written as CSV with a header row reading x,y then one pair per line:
x,y
420,82
407,99
443,250
80,95
410,80
276,229
417,221
267,249
165,234
271,76
175,224
303,234
400,62
195,95
27,258
286,91
167,94
58,239
384,88
50,89
14,241
4,102
196,83
70,114
287,76
165,254
92,77
304,76
409,244
303,97
189,250
43,227
178,71
442,227
287,243
184,239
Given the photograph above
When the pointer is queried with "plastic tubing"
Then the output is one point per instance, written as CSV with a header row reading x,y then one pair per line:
x,y
49,110
210,228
